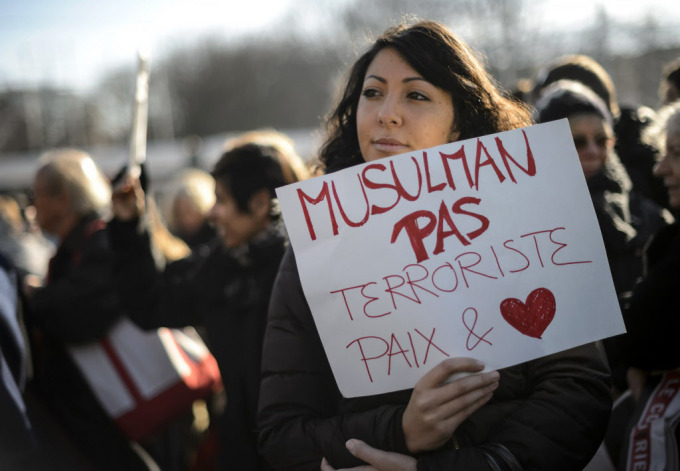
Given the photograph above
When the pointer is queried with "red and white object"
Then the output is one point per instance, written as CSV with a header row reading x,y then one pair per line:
x,y
653,444
145,379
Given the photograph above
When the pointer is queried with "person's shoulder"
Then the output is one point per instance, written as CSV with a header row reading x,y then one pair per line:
x,y
288,286
87,236
645,207
665,245
288,262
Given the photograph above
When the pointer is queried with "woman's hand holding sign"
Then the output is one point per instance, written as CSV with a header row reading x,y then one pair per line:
x,y
437,408
377,460
434,412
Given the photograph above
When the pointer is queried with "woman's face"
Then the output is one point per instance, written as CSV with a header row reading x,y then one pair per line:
x,y
236,227
50,208
668,168
593,139
187,217
399,111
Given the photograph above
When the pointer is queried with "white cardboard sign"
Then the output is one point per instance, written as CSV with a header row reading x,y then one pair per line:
x,y
487,248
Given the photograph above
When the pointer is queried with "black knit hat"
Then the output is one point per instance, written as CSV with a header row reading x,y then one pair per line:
x,y
565,98
582,69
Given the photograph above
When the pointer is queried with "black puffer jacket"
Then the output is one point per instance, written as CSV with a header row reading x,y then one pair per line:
x,y
550,414
652,314
627,221
652,320
227,293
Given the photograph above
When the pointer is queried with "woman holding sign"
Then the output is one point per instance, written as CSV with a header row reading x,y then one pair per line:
x,y
417,87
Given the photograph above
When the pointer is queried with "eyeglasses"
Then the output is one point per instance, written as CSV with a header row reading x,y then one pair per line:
x,y
602,142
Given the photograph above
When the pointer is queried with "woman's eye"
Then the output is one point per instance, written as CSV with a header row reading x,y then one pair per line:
x,y
602,141
370,93
417,96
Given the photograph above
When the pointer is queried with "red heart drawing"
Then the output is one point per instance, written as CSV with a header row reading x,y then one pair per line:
x,y
533,317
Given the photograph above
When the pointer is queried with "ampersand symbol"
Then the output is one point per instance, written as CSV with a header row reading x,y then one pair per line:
x,y
471,330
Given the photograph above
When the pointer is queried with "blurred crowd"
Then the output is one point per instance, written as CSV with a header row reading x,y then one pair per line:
x,y
208,249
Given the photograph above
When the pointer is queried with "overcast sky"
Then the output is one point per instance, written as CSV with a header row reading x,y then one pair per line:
x,y
71,42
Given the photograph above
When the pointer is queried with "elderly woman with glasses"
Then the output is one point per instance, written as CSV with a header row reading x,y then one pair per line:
x,y
627,219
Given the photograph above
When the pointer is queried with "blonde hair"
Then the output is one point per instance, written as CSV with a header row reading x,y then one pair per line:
x,y
196,185
10,215
667,122
172,248
75,173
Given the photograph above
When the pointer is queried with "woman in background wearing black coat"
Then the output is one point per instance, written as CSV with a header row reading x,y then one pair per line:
x,y
649,348
224,286
652,313
627,219
417,87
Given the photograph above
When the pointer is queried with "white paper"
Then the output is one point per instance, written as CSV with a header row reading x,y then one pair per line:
x,y
516,245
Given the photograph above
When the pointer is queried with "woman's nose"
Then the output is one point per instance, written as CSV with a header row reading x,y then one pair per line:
x,y
211,213
389,113
592,147
661,166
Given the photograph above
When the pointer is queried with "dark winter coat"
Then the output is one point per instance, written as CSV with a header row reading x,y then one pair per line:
x,y
225,292
652,313
550,413
78,304
627,221
652,320
15,432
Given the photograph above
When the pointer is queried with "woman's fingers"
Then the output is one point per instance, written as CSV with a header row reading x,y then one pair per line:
x,y
456,407
327,467
128,198
436,407
445,369
380,460
428,395
450,419
468,389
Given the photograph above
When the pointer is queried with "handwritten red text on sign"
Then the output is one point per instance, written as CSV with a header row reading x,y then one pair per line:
x,y
379,177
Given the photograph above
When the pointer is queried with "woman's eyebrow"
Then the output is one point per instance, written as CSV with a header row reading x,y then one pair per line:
x,y
379,79
406,80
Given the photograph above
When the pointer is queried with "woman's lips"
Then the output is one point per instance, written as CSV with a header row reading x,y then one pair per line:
x,y
388,144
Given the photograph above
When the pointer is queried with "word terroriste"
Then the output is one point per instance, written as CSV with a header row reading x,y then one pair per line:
x,y
413,348
378,177
375,299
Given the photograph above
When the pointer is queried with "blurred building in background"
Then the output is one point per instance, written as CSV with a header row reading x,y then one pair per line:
x,y
204,89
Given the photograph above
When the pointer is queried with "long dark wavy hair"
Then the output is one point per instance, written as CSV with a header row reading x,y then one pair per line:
x,y
440,57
